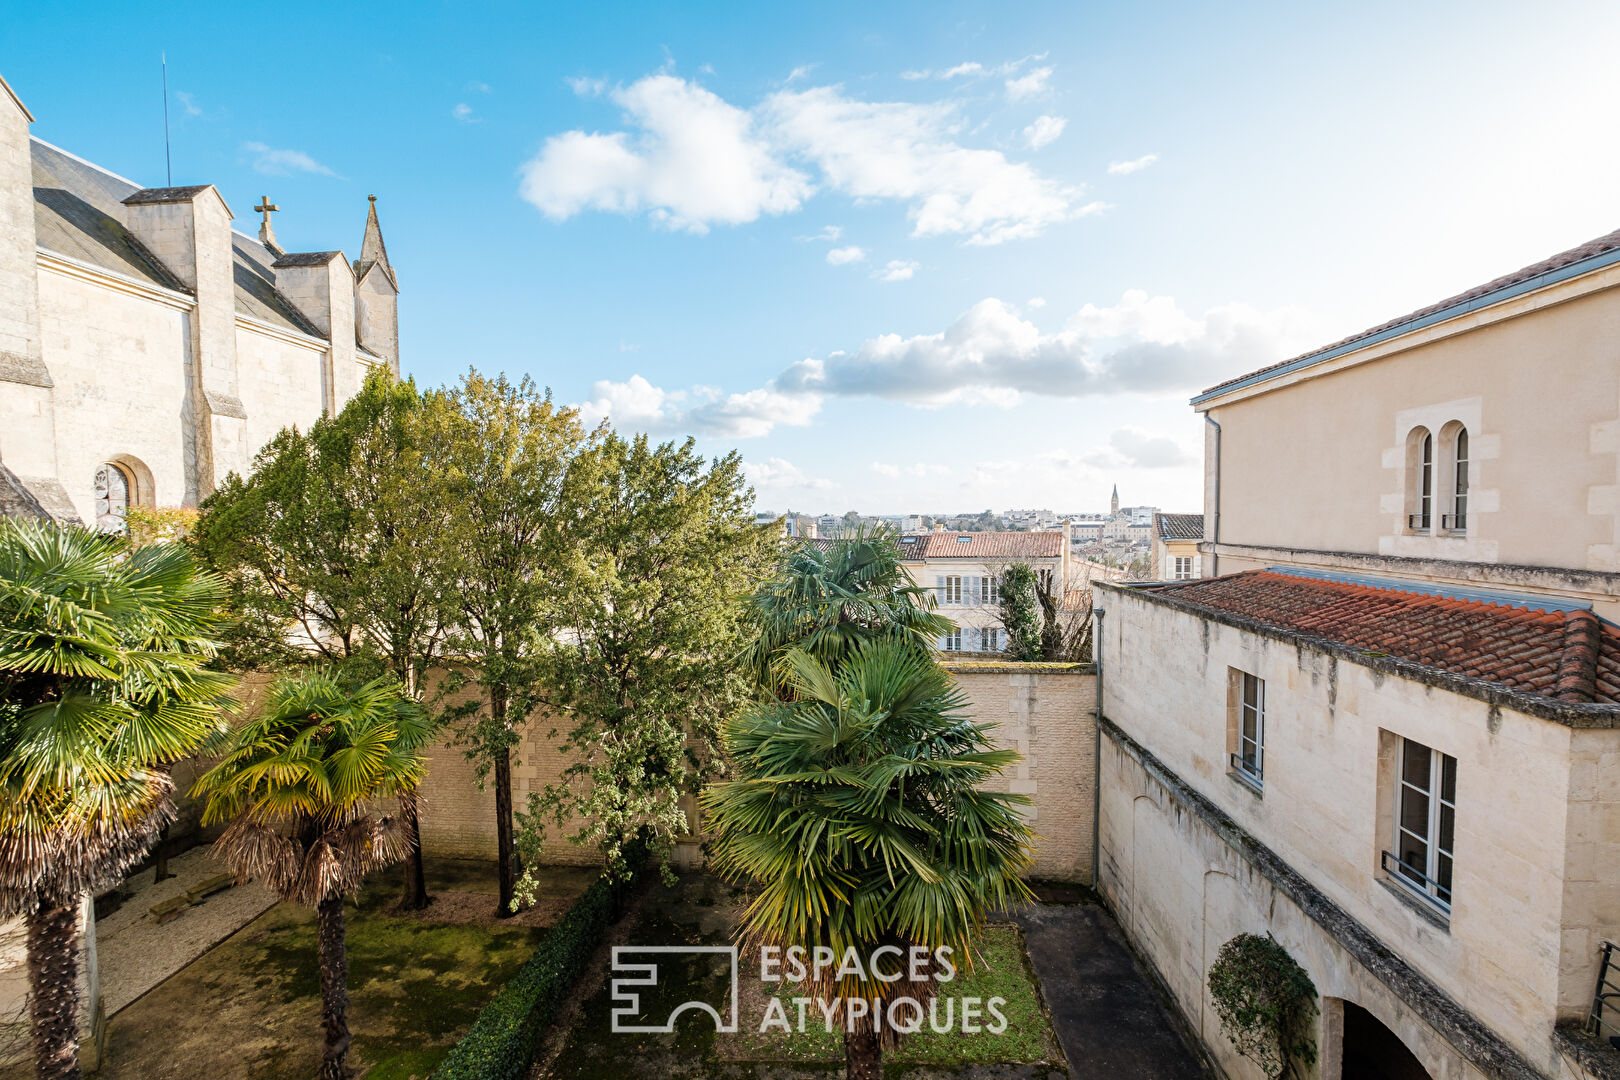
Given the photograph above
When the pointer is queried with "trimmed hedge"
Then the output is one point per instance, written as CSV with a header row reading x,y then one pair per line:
x,y
501,1043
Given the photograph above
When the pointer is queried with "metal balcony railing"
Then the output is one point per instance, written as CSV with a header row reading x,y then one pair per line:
x,y
1417,522
1454,522
1605,1018
1421,884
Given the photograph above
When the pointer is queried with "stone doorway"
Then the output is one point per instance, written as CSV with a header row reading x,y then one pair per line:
x,y
1373,1052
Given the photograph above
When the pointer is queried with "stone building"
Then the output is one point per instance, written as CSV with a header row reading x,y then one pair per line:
x,y
963,569
147,349
1175,546
1389,734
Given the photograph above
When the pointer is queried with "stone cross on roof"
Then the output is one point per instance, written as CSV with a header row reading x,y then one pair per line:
x,y
267,234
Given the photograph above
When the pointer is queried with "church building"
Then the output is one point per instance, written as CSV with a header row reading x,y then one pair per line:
x,y
147,348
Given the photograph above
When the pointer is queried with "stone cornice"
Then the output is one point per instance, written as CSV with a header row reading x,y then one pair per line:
x,y
107,279
291,337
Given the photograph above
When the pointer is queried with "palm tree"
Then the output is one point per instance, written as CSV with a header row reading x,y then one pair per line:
x,y
299,786
856,809
102,689
826,600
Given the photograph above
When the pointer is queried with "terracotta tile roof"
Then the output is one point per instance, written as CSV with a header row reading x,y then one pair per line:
x,y
1603,244
985,545
1179,526
1568,655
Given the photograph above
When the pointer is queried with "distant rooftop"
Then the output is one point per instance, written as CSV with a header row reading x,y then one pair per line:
x,y
1179,526
983,545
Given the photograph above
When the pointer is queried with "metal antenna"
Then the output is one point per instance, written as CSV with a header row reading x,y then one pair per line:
x,y
168,168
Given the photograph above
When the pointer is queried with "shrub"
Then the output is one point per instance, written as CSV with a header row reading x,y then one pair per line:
x,y
501,1043
1265,1001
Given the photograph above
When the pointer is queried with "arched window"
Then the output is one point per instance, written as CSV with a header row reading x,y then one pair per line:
x,y
1420,480
112,497
1459,491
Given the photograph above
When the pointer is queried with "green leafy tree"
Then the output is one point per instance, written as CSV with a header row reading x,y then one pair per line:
x,y
510,472
339,541
102,688
1021,612
299,787
647,664
827,600
856,809
1266,1003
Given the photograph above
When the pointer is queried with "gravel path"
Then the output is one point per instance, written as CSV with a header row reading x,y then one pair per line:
x,y
134,953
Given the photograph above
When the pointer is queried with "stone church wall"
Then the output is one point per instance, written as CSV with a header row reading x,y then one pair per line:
x,y
285,381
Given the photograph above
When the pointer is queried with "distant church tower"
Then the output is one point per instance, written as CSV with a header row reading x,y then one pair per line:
x,y
1113,507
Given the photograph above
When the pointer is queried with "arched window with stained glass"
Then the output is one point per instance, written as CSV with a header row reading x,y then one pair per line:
x,y
112,497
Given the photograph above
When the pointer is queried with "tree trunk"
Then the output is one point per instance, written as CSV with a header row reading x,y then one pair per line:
x,y
503,831
53,985
160,857
334,962
415,896
863,1056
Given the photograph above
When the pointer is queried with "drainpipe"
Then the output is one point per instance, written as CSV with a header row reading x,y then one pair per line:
x,y
1215,515
1096,754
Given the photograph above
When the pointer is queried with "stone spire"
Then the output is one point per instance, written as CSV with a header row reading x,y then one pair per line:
x,y
372,250
1113,507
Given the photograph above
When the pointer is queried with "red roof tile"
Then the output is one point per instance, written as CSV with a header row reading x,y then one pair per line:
x,y
984,545
1569,655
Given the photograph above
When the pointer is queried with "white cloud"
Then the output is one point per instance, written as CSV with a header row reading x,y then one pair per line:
x,y
1132,448
801,71
464,113
476,87
840,256
188,103
778,475
1142,344
692,160
1036,302
273,162
914,76
1028,86
585,86
828,233
972,67
1125,168
1044,131
698,161
897,150
896,270
918,470
637,404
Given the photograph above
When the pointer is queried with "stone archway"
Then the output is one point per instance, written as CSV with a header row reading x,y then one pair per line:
x,y
1370,1051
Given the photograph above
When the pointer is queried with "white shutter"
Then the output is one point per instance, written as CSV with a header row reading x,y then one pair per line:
x,y
939,589
973,639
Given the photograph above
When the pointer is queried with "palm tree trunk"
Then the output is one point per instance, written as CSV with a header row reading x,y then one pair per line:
x,y
863,1056
334,964
503,831
415,896
53,984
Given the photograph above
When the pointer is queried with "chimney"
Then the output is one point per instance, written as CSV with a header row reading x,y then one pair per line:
x,y
321,285
27,412
939,526
188,229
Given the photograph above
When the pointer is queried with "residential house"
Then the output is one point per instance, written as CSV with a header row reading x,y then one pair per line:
x,y
1175,546
1389,734
964,570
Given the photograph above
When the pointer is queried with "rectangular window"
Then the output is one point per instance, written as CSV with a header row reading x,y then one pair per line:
x,y
953,590
953,640
1425,822
1184,567
1459,517
1249,752
992,639
992,590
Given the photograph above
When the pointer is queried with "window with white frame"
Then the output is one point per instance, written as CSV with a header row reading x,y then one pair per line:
x,y
1420,483
953,640
1249,753
991,639
991,590
953,589
1459,490
1425,822
1184,567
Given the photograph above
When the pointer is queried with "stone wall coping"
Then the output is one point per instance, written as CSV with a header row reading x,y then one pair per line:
x,y
1569,713
1014,667
1484,1048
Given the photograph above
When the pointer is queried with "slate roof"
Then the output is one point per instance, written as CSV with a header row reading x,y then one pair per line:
x,y
80,212
1179,526
1568,655
1592,248
985,545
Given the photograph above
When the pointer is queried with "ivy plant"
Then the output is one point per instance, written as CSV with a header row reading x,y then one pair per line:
x,y
1266,1003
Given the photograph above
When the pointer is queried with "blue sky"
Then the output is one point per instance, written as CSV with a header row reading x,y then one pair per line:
x,y
905,257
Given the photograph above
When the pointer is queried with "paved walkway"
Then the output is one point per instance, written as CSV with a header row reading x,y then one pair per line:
x,y
1110,1021
134,953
